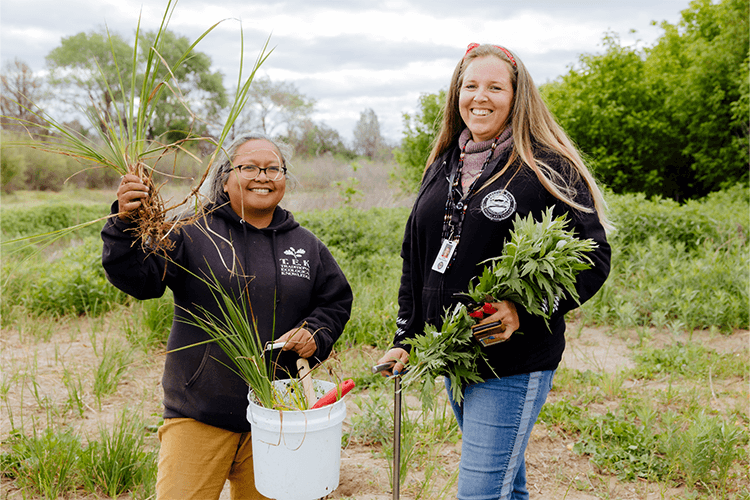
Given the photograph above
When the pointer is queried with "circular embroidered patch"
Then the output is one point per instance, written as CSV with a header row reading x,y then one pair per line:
x,y
498,205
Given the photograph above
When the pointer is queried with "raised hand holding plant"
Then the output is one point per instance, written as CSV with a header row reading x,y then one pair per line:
x,y
122,139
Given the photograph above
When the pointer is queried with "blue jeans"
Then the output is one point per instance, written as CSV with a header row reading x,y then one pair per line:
x,y
496,418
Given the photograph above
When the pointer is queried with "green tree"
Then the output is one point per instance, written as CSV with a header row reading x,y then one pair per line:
x,y
276,108
420,131
200,94
93,70
85,74
614,112
668,120
703,64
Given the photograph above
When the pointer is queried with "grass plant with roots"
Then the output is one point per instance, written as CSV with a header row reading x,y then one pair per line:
x,y
122,143
121,140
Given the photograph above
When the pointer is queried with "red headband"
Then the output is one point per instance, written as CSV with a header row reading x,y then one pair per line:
x,y
473,46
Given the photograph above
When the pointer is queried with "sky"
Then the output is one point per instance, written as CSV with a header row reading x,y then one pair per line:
x,y
351,55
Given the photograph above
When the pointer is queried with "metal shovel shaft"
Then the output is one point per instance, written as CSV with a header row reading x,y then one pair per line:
x,y
396,426
396,437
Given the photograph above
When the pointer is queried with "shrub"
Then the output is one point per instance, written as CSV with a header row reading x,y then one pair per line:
x,y
12,168
637,219
677,263
73,284
656,282
43,219
359,235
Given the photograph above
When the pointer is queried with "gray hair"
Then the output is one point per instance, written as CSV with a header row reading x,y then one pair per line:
x,y
223,165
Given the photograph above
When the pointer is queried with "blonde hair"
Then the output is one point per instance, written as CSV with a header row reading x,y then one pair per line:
x,y
532,122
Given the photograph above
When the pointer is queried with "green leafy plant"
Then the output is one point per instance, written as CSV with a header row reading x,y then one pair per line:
x,y
706,450
538,266
618,444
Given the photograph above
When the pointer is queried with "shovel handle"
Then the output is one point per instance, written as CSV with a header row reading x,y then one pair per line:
x,y
303,367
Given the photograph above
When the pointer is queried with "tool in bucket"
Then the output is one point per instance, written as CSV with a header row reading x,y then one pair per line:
x,y
396,486
485,334
305,376
303,370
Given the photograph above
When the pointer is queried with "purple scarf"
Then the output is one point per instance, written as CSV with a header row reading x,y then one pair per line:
x,y
476,153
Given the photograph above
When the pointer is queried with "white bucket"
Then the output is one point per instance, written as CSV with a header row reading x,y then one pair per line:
x,y
297,454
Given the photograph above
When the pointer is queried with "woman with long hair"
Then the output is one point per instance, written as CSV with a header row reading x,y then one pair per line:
x,y
499,153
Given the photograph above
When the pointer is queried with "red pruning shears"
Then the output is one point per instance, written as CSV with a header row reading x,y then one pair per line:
x,y
479,311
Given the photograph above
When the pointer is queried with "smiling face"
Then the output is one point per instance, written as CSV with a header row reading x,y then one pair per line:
x,y
255,200
486,97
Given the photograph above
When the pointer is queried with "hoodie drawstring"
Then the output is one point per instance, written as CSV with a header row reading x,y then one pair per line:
x,y
278,271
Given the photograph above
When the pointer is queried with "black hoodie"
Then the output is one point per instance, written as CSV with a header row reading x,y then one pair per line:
x,y
282,268
425,294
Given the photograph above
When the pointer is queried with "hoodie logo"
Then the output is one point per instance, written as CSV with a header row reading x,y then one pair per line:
x,y
498,205
295,265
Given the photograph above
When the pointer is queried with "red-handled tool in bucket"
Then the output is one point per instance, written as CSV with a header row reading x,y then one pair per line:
x,y
396,486
332,396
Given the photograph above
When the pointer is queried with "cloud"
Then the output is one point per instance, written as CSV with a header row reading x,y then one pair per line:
x,y
349,55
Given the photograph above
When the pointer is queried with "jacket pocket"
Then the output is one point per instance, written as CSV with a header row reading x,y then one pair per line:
x,y
204,360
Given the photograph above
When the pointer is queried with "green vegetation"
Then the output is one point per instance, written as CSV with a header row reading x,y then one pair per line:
x,y
668,120
640,437
671,419
54,462
672,422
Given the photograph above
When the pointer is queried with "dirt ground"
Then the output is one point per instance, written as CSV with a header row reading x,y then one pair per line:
x,y
32,383
554,472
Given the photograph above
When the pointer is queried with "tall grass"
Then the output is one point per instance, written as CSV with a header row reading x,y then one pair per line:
x,y
44,462
234,330
117,462
678,417
53,462
114,362
147,326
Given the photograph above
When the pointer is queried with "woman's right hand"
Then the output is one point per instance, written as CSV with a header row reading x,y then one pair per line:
x,y
130,195
397,354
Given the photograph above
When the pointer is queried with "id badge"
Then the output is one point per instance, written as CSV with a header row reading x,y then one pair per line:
x,y
444,256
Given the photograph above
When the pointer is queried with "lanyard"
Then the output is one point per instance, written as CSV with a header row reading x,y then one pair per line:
x,y
455,209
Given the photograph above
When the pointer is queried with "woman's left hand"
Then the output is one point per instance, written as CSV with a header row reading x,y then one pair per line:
x,y
299,340
505,313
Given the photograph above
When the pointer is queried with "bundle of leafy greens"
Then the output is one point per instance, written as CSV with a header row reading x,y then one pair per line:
x,y
537,268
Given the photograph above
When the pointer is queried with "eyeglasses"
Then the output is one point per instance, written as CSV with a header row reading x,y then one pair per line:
x,y
250,172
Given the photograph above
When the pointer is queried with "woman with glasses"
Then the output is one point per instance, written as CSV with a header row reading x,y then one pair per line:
x,y
255,249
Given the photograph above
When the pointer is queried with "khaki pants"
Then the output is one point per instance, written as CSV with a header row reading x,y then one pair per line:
x,y
196,459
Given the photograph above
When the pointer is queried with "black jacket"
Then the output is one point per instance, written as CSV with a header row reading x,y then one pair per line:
x,y
283,267
424,294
